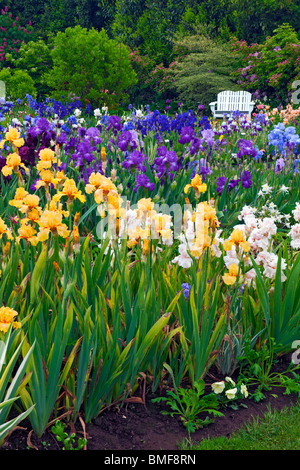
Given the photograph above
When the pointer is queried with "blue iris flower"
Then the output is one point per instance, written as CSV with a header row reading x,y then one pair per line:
x,y
186,289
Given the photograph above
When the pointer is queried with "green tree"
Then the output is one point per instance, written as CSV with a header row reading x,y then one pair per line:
x,y
35,58
149,26
256,19
18,83
202,69
89,65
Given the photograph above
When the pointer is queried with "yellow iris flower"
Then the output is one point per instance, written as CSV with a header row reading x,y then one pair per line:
x,y
237,239
51,222
4,230
7,316
13,162
19,196
197,184
230,277
12,136
28,233
70,190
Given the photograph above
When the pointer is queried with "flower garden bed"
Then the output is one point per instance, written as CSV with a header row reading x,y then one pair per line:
x,y
145,256
142,426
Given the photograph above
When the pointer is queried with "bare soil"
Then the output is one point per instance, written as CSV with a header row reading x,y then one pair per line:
x,y
139,425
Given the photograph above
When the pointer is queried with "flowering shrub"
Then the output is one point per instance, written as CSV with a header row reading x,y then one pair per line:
x,y
269,69
12,36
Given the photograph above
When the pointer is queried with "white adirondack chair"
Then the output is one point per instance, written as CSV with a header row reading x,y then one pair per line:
x,y
229,101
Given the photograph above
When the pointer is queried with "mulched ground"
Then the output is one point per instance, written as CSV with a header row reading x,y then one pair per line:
x,y
138,426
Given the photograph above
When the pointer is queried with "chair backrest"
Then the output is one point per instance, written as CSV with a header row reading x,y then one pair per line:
x,y
233,101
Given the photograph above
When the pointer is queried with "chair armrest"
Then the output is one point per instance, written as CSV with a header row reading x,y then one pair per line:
x,y
213,107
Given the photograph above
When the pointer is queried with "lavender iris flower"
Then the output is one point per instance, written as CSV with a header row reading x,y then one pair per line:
x,y
186,289
279,165
208,136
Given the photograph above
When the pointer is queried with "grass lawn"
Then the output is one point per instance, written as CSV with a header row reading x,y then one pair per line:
x,y
276,430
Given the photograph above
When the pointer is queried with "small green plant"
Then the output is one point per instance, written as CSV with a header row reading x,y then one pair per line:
x,y
68,440
258,371
188,405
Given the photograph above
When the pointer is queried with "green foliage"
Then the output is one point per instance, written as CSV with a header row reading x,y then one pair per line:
x,y
11,375
68,440
269,69
257,369
256,19
12,35
18,83
189,403
34,58
279,310
46,16
202,69
154,81
91,66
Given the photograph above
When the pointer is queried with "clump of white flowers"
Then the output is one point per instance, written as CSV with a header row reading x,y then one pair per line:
x,y
228,390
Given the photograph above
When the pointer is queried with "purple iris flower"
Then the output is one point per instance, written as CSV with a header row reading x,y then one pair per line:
x,y
27,155
186,289
124,140
115,122
221,181
245,177
186,135
166,161
195,145
246,148
62,138
204,171
135,161
162,150
81,132
92,132
42,124
144,182
279,165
